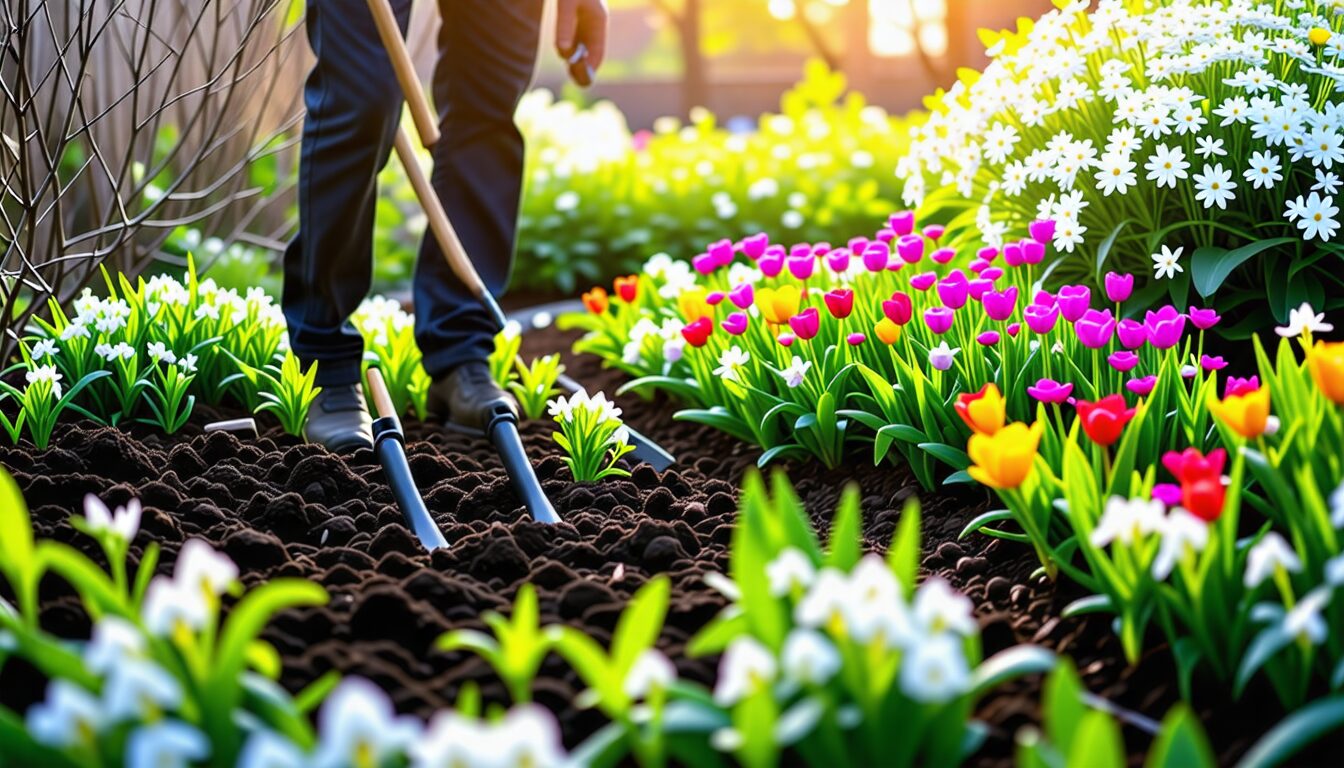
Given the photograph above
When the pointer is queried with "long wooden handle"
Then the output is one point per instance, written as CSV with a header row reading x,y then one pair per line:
x,y
390,32
382,401
438,218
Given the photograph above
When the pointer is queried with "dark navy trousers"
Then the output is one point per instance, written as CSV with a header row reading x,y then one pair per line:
x,y
487,51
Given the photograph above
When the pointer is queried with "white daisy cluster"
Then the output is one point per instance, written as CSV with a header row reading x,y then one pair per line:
x,y
598,407
865,611
1176,106
380,320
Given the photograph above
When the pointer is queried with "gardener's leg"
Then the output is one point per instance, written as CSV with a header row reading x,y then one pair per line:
x,y
487,51
353,104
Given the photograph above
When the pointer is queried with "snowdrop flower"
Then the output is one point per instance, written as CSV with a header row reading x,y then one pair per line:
x,y
44,348
1167,263
941,356
205,311
124,523
268,749
159,353
793,375
746,667
451,740
1334,571
1128,521
75,330
166,744
69,717
48,374
731,359
935,670
651,671
188,362
359,727
792,569
1305,619
825,601
873,606
170,607
1269,555
809,657
139,690
1181,532
201,568
939,608
114,640
1304,320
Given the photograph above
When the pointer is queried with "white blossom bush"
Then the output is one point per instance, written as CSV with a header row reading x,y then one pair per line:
x,y
1208,130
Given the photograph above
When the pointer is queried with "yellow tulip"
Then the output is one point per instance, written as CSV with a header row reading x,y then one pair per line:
x,y
777,305
1003,460
887,331
983,411
1246,414
1319,36
1326,361
693,305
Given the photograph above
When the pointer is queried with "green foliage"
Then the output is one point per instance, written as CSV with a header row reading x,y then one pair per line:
x,y
592,436
535,384
289,391
517,648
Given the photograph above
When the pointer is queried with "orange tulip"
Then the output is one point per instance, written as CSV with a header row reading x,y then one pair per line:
x,y
1247,414
1326,361
887,331
693,305
1004,459
984,411
777,305
596,300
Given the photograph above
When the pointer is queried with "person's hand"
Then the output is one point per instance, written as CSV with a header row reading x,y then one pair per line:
x,y
581,23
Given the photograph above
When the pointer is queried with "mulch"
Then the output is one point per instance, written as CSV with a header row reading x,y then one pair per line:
x,y
283,509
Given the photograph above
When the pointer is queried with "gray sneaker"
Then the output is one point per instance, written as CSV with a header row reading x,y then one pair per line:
x,y
340,420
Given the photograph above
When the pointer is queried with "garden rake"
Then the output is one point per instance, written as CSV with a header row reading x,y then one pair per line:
x,y
502,426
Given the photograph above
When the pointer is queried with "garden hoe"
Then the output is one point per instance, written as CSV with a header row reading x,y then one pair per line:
x,y
502,424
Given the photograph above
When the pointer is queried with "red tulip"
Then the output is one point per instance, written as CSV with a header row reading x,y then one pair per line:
x,y
627,287
898,309
840,302
1105,420
1201,479
1204,498
697,333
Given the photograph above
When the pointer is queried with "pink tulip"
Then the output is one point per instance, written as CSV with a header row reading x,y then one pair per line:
x,y
802,268
1050,391
1141,386
953,293
1095,328
771,264
736,323
1238,386
943,255
1203,319
886,235
1012,255
993,273
855,339
899,308
939,319
1042,230
979,287
1119,287
838,260
840,302
1132,333
902,223
923,281
934,231
742,296
1014,329
988,253
999,305
858,244
1212,363
806,324
979,265
714,298
754,245
1041,318
800,250
1123,362
876,256
988,338
722,252
1033,251
1165,327
704,263
1074,301
786,339
910,248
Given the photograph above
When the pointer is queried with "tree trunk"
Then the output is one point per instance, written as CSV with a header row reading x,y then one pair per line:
x,y
695,78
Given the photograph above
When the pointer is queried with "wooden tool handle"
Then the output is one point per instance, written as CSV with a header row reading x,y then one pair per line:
x,y
390,32
438,218
382,401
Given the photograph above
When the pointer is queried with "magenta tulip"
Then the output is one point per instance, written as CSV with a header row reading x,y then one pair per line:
x,y
855,339
988,253
993,273
1132,333
1050,391
1203,319
742,296
1216,363
714,298
838,260
910,248
979,287
802,267
858,244
988,338
771,264
704,263
886,234
1074,301
754,245
875,257
1238,386
934,231
840,302
722,252
1165,327
999,305
953,293
1042,230
1012,255
1119,287
1014,329
939,319
1142,386
943,255
902,223
736,323
786,339
806,323
923,281
1041,318
1095,328
1123,362
1033,251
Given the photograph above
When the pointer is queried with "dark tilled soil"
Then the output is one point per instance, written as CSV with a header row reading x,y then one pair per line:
x,y
283,509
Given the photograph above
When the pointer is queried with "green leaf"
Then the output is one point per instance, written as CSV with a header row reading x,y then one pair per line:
x,y
903,556
641,622
1062,705
1007,664
846,542
1296,731
16,545
1097,743
953,457
1210,266
1181,743
1104,250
